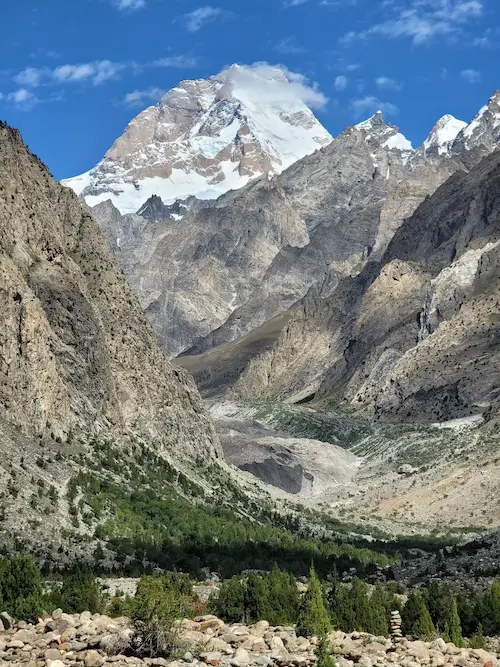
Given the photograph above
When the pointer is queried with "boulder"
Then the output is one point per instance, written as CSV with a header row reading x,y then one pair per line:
x,y
209,622
240,658
52,654
93,659
85,617
25,636
259,628
217,644
439,645
484,656
276,644
7,620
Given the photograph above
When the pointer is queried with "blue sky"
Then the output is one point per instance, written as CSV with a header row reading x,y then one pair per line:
x,y
73,73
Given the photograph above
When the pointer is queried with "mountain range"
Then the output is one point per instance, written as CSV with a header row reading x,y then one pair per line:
x,y
210,271
336,301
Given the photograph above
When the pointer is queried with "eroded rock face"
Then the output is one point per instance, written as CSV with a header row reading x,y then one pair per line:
x,y
216,270
76,352
413,337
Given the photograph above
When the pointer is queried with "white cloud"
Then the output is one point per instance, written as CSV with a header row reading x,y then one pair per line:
x,y
30,76
129,4
140,97
341,82
293,3
471,75
422,20
196,19
288,46
277,83
387,83
364,106
98,72
176,62
22,98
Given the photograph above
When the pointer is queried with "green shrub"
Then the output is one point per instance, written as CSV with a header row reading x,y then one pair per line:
x,y
20,587
323,654
229,604
79,592
155,608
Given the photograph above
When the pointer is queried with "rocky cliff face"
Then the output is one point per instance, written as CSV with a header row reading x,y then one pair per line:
x,y
204,138
77,355
413,337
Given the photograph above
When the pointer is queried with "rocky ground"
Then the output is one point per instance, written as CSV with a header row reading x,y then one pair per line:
x,y
86,640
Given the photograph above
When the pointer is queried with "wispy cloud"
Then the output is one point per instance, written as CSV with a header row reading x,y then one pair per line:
x,y
387,83
422,20
177,62
123,5
30,76
341,82
277,83
96,73
288,46
22,98
293,3
140,97
471,75
363,106
196,19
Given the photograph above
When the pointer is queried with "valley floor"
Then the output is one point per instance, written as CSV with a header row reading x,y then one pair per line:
x,y
401,479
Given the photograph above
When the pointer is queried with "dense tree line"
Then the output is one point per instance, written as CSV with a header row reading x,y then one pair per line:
x,y
432,611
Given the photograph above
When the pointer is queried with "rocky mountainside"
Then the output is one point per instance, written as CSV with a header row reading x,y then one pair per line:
x,y
413,337
213,271
206,137
77,354
79,363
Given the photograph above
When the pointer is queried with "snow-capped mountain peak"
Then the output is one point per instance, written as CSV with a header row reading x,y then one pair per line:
x,y
443,134
484,130
206,137
387,135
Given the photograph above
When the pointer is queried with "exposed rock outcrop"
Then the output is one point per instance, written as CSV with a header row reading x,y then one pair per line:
x,y
413,337
77,355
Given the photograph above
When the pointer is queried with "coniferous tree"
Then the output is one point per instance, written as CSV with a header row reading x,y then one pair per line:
x,y
283,597
230,603
257,607
489,610
379,620
417,621
452,627
313,617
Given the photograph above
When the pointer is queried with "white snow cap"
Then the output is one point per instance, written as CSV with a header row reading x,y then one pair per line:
x,y
388,135
190,143
444,134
